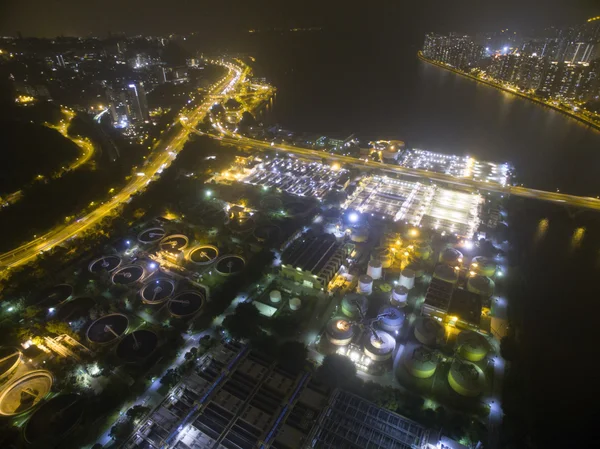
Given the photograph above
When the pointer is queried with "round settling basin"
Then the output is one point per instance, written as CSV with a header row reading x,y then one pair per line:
x,y
107,329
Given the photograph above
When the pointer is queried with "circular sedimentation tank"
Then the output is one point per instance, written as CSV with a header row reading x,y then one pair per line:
x,y
379,347
75,309
10,358
384,255
107,329
365,284
295,303
151,235
472,346
104,264
339,331
174,243
374,269
359,235
428,331
407,278
157,291
137,346
52,296
483,266
186,303
391,319
24,393
230,264
128,275
446,273
422,250
55,419
482,285
466,378
203,254
422,363
266,233
275,296
354,305
451,256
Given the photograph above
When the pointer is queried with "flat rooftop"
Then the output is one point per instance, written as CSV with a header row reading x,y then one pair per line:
x,y
349,421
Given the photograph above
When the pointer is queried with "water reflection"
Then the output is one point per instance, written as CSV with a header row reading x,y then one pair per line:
x,y
576,239
541,230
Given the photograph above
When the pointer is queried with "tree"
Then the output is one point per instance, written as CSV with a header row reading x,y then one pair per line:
x,y
292,356
337,371
137,412
59,328
170,378
121,430
244,322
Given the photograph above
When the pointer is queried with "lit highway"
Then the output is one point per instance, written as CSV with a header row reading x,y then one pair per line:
x,y
233,138
163,154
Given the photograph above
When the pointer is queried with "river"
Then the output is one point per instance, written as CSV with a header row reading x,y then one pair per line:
x,y
357,83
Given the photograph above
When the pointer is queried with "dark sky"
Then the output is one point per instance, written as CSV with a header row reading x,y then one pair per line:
x,y
84,17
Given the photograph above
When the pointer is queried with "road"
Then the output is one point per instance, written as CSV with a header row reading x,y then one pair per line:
x,y
525,192
162,156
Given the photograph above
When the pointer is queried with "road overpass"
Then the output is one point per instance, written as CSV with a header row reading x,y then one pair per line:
x,y
525,192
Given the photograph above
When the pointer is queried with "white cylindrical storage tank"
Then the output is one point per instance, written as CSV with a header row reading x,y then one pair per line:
x,y
399,296
295,303
446,273
374,269
365,284
380,347
407,278
390,319
275,296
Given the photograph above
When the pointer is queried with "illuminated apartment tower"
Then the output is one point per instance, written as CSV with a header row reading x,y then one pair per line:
x,y
137,105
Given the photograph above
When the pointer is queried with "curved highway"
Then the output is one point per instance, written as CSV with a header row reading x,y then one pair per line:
x,y
162,155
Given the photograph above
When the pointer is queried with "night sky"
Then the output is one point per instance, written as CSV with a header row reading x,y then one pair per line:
x,y
48,18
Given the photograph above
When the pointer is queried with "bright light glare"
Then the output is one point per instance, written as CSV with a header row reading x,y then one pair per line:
x,y
468,244
353,217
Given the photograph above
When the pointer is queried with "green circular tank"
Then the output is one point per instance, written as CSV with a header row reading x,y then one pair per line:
x,y
422,363
451,256
422,250
354,304
483,266
446,273
466,378
428,331
472,346
418,267
482,285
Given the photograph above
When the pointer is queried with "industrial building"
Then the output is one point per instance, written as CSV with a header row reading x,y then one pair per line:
x,y
349,421
238,399
457,166
297,177
313,261
431,206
